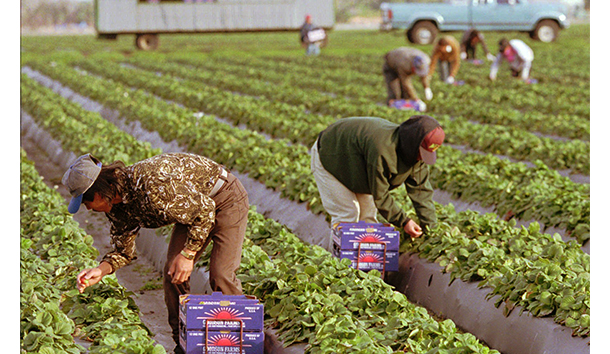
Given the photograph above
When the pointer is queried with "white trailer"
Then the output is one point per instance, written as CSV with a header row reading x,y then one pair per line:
x,y
149,18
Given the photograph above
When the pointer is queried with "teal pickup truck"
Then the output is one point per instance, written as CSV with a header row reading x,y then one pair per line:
x,y
423,21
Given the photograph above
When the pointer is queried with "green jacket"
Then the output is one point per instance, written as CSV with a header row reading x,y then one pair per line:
x,y
365,155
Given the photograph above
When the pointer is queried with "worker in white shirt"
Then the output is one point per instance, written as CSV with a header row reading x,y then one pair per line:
x,y
518,54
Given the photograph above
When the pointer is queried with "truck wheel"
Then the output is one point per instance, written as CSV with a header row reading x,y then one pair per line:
x,y
546,31
410,36
147,41
422,33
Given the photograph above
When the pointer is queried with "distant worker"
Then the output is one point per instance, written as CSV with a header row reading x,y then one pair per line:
x,y
447,53
400,64
200,197
518,54
312,37
468,45
357,161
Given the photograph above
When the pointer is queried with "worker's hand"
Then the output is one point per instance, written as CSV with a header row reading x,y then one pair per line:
x,y
428,93
463,55
421,106
492,77
181,268
413,229
450,80
88,277
490,57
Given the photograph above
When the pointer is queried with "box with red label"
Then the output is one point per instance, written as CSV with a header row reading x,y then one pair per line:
x,y
202,342
367,260
221,312
366,236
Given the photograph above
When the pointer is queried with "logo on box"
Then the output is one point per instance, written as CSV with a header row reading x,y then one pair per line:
x,y
370,258
224,313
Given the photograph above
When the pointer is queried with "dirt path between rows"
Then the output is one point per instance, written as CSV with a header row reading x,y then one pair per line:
x,y
133,277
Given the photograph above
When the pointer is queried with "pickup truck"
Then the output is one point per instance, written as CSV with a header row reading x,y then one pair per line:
x,y
423,21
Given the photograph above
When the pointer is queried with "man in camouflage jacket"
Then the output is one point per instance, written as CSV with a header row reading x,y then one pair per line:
x,y
196,194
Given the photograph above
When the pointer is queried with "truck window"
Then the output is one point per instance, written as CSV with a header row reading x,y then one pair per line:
x,y
508,2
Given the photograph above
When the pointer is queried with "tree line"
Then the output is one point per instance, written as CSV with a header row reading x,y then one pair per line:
x,y
36,14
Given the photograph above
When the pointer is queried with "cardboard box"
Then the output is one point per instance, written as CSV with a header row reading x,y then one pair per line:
x,y
358,224
194,342
367,236
221,312
367,260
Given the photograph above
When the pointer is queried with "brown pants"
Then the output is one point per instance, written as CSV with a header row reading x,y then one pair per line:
x,y
228,235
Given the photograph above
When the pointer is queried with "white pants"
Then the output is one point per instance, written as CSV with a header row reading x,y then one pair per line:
x,y
339,202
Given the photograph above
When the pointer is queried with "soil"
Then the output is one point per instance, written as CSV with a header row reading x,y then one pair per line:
x,y
134,276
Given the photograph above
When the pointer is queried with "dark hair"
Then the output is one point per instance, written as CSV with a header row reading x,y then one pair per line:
x,y
443,41
411,133
108,183
473,34
503,43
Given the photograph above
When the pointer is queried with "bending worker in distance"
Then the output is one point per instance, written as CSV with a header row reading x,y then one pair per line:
x,y
357,161
518,54
204,201
399,66
446,53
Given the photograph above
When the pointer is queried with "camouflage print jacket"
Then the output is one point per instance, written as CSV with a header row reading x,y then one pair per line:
x,y
159,191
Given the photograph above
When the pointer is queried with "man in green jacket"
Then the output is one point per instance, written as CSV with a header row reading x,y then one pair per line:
x,y
357,161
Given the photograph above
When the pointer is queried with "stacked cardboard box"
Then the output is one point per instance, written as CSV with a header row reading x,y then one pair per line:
x,y
367,245
220,323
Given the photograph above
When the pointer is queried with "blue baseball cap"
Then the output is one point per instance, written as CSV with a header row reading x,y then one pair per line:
x,y
79,177
420,67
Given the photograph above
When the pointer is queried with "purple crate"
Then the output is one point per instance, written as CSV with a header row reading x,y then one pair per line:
x,y
194,342
368,260
221,312
357,224
367,236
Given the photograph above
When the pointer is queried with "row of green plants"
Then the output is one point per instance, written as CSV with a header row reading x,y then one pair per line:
x,y
508,140
556,109
356,323
491,181
53,250
270,161
537,272
174,122
561,68
311,296
59,116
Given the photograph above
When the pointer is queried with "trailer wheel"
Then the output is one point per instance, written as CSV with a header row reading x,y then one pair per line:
x,y
422,33
546,31
147,41
109,36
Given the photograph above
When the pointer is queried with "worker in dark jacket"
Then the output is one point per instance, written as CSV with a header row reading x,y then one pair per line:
x,y
400,64
357,161
204,201
468,45
447,53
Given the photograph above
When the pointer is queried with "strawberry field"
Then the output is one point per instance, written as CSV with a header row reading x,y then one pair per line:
x,y
511,184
